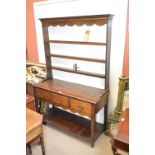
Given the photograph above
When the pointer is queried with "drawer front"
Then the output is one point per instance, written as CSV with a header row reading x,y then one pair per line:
x,y
53,98
81,107
59,100
43,94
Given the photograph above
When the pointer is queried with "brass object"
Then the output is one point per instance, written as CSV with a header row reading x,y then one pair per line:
x,y
118,112
123,84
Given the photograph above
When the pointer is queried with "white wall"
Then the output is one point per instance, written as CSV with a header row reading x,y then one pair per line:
x,y
62,8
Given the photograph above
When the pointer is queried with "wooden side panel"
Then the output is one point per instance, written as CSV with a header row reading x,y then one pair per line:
x,y
34,133
108,48
30,102
47,51
29,89
102,102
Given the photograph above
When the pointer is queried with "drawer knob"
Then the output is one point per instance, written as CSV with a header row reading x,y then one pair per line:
x,y
58,102
41,95
80,107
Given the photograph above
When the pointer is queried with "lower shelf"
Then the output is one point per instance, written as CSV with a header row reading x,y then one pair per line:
x,y
73,124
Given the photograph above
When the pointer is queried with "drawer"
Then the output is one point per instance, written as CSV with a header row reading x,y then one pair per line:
x,y
43,94
59,100
81,107
55,99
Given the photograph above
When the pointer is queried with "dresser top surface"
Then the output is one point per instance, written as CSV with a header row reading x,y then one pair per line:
x,y
78,91
33,120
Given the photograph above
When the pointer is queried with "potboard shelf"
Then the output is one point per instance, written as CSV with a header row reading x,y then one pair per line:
x,y
72,123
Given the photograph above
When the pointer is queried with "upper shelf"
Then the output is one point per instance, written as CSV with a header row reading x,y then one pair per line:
x,y
77,20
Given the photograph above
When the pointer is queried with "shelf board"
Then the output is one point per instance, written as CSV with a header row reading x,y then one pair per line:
x,y
72,123
76,58
77,72
77,20
75,42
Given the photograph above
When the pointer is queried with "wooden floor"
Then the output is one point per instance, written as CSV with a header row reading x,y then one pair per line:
x,y
58,142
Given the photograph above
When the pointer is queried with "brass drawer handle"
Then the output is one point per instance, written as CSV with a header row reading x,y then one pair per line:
x,y
58,102
41,95
79,107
